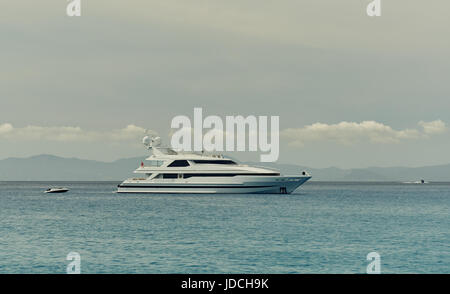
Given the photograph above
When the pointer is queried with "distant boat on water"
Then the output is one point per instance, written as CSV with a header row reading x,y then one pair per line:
x,y
417,182
56,190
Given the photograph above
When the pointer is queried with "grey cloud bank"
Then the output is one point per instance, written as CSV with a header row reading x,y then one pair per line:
x,y
128,138
68,134
352,132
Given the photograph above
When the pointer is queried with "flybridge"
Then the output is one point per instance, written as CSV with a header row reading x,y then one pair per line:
x,y
231,138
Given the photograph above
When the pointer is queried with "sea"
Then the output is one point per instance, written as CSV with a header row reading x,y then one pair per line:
x,y
323,227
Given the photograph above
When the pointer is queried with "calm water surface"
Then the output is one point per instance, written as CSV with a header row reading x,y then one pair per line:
x,y
322,228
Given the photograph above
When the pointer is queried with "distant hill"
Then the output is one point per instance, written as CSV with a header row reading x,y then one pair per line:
x,y
438,173
54,168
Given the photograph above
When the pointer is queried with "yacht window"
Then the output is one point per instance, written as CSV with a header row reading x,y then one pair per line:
x,y
179,163
228,175
208,175
170,176
214,162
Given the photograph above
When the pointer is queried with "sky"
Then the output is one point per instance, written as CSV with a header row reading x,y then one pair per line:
x,y
350,90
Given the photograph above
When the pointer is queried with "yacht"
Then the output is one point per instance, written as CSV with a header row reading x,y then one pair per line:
x,y
169,171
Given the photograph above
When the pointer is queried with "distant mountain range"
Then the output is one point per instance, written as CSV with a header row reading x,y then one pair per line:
x,y
54,168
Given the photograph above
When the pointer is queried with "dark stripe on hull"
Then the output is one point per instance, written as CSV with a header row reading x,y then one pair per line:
x,y
194,187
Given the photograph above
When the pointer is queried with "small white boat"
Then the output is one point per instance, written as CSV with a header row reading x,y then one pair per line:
x,y
56,190
417,182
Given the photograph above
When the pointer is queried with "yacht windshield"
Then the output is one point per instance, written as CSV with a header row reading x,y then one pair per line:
x,y
178,163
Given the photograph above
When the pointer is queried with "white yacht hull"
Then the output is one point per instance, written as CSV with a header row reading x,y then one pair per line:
x,y
216,185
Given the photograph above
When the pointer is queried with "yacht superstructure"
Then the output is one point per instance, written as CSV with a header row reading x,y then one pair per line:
x,y
168,171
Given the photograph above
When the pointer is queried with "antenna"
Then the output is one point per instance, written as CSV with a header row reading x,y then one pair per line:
x,y
151,139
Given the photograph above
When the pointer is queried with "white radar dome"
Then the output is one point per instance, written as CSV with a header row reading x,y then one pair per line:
x,y
146,140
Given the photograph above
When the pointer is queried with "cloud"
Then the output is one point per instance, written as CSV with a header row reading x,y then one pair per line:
x,y
69,134
433,127
354,132
5,128
342,133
